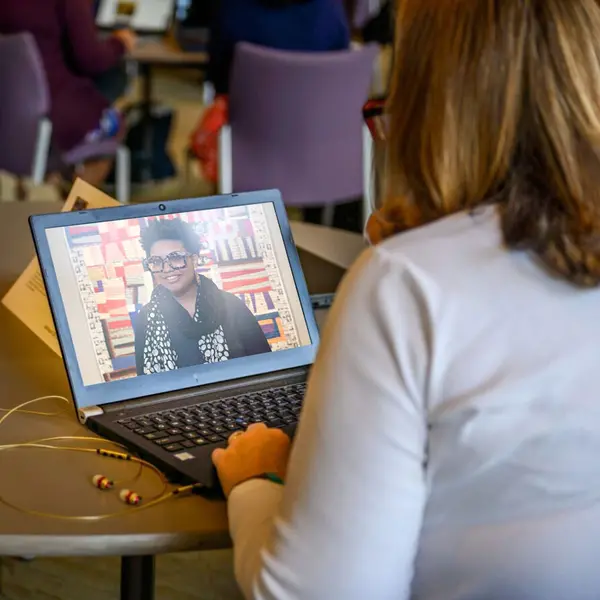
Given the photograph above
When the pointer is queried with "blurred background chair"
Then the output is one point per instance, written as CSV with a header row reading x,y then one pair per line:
x,y
25,130
296,125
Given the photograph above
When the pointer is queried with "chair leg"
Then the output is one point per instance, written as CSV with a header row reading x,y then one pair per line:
x,y
123,174
225,161
208,93
368,166
42,150
328,215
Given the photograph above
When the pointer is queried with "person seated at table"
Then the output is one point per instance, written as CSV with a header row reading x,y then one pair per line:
x,y
189,320
448,444
73,56
294,25
303,25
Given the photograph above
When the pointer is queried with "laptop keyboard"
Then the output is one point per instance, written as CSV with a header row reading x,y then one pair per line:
x,y
212,422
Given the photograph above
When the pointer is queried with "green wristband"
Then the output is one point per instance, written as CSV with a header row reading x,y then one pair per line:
x,y
272,477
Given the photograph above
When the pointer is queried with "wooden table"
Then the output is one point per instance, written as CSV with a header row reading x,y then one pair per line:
x,y
53,481
60,482
166,53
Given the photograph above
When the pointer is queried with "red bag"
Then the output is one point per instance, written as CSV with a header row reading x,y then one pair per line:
x,y
204,141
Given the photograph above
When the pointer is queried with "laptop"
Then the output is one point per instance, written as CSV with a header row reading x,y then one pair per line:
x,y
151,17
180,322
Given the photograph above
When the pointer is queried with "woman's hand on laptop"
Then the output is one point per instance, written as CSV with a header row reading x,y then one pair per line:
x,y
250,454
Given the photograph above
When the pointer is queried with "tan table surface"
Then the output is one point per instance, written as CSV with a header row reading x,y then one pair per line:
x,y
55,481
165,52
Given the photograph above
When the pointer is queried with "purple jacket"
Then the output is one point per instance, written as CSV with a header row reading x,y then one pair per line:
x,y
72,54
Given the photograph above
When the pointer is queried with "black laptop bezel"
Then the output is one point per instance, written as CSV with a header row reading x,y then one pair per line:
x,y
107,393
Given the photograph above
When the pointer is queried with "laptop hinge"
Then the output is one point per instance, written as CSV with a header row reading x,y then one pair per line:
x,y
90,411
280,378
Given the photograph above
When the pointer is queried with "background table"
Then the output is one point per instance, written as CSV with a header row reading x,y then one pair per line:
x,y
167,55
53,481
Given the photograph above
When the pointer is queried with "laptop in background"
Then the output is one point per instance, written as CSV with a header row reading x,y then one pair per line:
x,y
127,380
145,17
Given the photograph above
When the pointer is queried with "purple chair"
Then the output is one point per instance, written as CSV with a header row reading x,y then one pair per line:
x,y
296,125
26,131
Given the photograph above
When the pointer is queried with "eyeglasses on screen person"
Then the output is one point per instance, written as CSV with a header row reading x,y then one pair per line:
x,y
175,260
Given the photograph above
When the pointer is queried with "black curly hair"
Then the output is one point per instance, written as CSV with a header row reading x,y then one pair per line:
x,y
170,229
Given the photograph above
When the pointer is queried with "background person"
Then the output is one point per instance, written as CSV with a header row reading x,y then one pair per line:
x,y
73,55
303,25
448,445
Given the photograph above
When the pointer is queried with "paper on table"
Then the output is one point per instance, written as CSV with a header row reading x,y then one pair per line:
x,y
27,298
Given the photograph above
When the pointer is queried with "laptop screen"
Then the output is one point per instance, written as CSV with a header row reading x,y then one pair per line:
x,y
160,293
139,15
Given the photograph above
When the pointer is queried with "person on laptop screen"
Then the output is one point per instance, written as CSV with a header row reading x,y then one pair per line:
x,y
188,320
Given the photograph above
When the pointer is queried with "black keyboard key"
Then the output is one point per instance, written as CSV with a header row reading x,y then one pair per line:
x,y
190,434
157,435
215,422
173,447
175,423
189,421
174,431
205,432
144,430
255,420
161,426
242,422
201,441
143,422
188,428
219,429
159,420
188,444
290,419
233,426
169,440
130,424
214,438
275,423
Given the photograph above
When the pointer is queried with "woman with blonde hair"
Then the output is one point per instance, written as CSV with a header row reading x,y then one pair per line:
x,y
448,447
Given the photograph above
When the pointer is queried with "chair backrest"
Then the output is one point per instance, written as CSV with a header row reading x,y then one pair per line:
x,y
24,101
296,122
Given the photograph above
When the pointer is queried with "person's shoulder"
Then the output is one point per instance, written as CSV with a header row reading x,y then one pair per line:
x,y
141,316
455,238
230,300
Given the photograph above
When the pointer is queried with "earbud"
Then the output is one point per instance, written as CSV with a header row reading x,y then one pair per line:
x,y
102,482
130,497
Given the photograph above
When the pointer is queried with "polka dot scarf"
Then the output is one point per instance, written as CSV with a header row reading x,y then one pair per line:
x,y
165,313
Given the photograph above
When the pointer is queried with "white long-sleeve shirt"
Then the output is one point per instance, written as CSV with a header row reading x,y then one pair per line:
x,y
449,447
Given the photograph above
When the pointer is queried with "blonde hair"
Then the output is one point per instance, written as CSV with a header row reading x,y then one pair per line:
x,y
500,101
